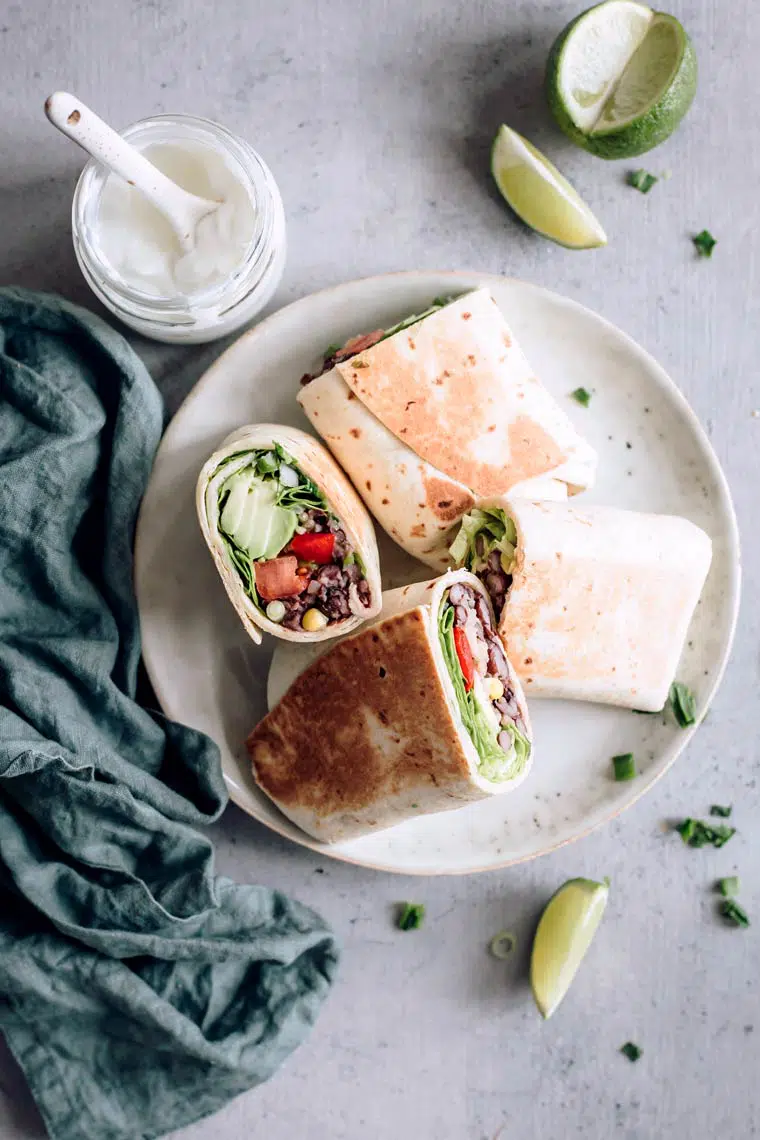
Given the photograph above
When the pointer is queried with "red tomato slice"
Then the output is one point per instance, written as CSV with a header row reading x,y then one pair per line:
x,y
313,547
464,653
278,578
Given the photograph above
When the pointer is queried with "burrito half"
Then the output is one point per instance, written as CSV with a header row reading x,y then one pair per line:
x,y
418,713
594,604
294,546
435,412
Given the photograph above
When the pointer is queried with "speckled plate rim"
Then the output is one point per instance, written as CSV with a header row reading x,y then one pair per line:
x,y
243,345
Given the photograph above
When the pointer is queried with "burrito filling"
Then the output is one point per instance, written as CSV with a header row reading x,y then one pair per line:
x,y
291,552
336,353
486,545
480,674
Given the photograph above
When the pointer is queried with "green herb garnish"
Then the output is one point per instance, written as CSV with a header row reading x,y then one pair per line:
x,y
734,913
728,887
582,395
697,833
332,350
683,704
705,243
718,809
624,766
631,1051
411,916
359,364
641,180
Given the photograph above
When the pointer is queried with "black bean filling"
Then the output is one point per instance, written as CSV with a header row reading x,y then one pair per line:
x,y
471,610
329,585
494,577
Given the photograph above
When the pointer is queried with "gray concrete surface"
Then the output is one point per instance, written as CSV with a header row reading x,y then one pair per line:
x,y
376,119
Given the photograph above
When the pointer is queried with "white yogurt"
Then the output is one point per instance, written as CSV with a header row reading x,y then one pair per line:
x,y
142,248
133,262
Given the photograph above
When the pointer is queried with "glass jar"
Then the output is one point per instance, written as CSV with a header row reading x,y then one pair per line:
x,y
206,313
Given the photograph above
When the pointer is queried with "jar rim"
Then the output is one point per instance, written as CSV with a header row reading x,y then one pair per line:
x,y
253,174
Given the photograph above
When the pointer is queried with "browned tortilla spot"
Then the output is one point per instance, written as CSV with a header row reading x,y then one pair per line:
x,y
355,432
418,531
466,316
341,768
532,450
507,339
368,485
385,502
446,500
351,395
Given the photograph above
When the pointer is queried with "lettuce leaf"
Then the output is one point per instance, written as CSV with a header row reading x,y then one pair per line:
x,y
494,763
498,532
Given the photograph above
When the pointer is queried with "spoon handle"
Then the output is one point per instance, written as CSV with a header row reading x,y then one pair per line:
x,y
75,119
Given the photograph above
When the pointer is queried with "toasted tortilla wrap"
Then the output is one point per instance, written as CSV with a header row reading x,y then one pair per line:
x,y
382,727
439,413
594,602
285,473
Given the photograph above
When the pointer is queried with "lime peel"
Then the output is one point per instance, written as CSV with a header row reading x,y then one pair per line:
x,y
620,78
541,196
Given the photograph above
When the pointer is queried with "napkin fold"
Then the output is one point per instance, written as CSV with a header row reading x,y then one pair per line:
x,y
138,991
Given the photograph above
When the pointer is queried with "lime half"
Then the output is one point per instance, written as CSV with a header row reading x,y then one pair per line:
x,y
564,934
620,78
540,195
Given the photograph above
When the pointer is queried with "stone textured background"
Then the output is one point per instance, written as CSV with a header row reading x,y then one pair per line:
x,y
376,120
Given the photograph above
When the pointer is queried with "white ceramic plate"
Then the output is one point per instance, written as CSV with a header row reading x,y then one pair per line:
x,y
653,456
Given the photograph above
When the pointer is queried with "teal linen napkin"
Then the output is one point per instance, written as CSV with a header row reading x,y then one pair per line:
x,y
137,991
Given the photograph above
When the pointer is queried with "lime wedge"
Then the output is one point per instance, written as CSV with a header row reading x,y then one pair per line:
x,y
620,78
540,195
564,934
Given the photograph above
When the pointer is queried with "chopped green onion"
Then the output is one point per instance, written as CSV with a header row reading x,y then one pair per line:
x,y
624,766
331,350
631,1051
697,833
717,809
683,704
641,180
729,887
582,395
705,243
734,913
502,944
411,916
275,611
267,463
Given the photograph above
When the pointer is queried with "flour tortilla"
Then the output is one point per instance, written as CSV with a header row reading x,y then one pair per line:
x,y
313,460
601,601
370,734
441,413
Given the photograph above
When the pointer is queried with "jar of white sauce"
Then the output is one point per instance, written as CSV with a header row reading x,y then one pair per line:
x,y
132,259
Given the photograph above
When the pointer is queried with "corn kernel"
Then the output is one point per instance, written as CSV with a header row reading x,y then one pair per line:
x,y
494,689
313,620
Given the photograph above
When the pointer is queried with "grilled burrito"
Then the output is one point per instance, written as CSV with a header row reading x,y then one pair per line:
x,y
593,604
292,542
419,712
437,411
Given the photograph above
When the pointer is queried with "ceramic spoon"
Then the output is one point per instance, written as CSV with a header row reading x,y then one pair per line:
x,y
183,211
